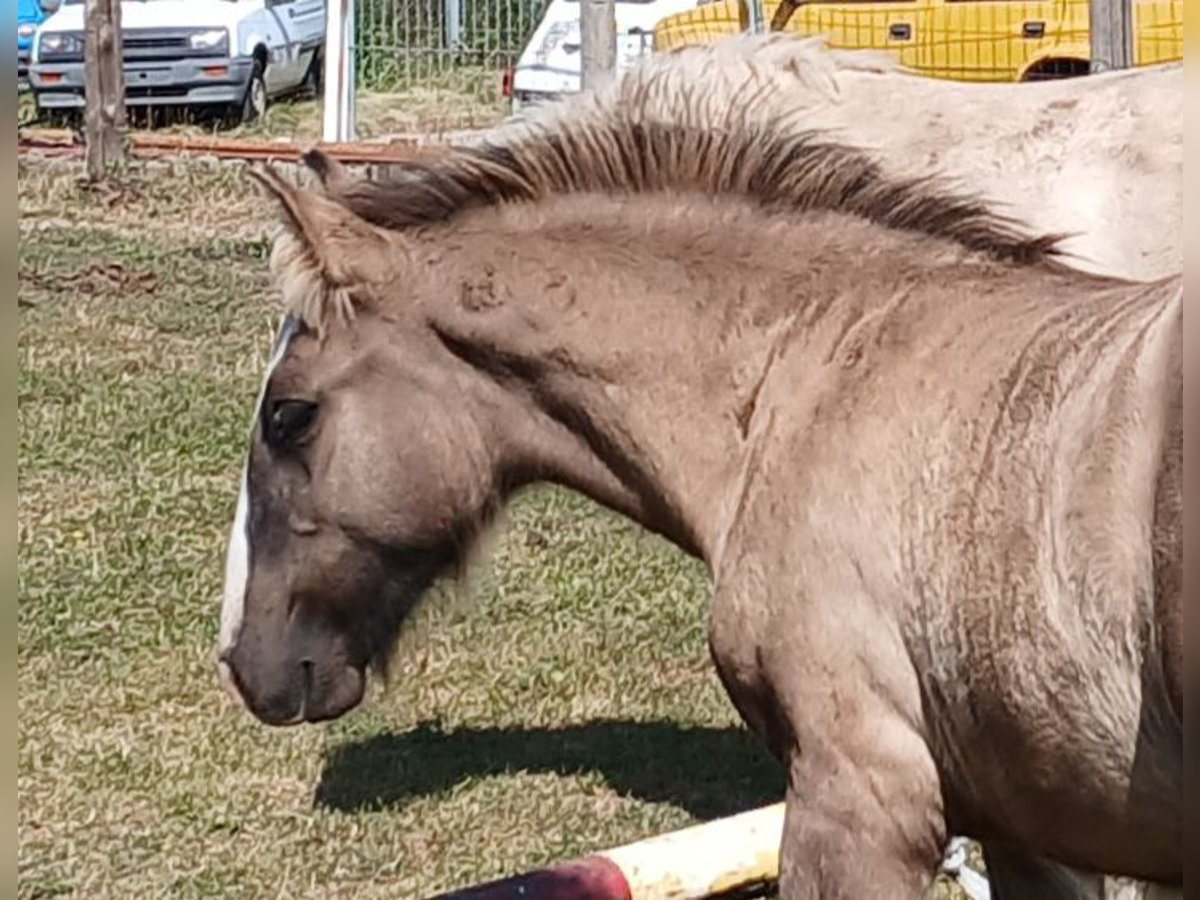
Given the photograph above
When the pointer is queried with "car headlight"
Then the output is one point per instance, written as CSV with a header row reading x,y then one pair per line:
x,y
61,44
212,39
26,30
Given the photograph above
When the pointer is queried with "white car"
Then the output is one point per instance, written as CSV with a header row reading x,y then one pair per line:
x,y
550,65
233,55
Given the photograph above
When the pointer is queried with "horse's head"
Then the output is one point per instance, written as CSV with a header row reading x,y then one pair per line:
x,y
366,477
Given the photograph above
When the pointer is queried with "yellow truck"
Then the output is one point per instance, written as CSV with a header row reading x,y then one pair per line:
x,y
969,40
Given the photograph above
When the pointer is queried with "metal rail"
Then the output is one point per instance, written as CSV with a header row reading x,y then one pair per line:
x,y
59,143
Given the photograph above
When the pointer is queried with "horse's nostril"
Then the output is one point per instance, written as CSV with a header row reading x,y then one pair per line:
x,y
307,668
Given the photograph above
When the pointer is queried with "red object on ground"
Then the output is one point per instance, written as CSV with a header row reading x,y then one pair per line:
x,y
506,83
589,878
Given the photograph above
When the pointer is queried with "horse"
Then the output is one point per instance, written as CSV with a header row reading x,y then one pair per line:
x,y
934,472
1099,160
1096,159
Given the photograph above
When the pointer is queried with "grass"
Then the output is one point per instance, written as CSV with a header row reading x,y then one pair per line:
x,y
568,707
427,109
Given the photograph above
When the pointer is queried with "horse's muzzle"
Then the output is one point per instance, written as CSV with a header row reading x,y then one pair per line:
x,y
288,692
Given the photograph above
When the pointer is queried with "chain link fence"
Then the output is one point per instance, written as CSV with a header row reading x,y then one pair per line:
x,y
454,49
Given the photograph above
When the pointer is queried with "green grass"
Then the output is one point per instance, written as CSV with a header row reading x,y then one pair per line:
x,y
569,705
429,108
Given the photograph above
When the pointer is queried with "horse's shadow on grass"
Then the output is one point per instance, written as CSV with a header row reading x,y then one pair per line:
x,y
709,772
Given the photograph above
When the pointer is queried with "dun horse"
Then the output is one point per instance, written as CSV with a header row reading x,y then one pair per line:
x,y
934,473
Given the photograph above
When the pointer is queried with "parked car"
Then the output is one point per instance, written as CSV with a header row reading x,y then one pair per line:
x,y
232,55
30,14
550,64
971,40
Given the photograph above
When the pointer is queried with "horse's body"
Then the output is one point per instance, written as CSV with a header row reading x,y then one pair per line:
x,y
1099,159
934,473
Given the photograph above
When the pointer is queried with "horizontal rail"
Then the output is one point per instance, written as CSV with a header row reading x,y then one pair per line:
x,y
719,858
58,143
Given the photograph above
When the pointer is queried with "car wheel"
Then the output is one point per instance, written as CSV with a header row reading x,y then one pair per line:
x,y
314,78
254,104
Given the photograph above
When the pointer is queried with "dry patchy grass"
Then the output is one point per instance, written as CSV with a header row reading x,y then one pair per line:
x,y
569,706
466,102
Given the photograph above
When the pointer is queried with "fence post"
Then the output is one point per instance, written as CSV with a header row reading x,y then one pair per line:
x,y
1111,30
753,17
598,37
452,12
104,85
338,113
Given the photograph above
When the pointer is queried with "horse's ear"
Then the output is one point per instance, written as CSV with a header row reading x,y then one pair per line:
x,y
331,173
327,255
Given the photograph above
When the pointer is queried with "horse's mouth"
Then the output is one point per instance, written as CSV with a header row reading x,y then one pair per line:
x,y
310,694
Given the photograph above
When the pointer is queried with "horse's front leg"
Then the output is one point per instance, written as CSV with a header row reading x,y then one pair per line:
x,y
831,689
858,829
1014,874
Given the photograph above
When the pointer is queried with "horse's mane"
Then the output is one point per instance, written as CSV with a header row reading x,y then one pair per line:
x,y
659,129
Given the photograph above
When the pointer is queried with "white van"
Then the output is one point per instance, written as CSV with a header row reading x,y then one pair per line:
x,y
227,54
550,65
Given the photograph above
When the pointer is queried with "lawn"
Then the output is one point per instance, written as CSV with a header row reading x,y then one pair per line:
x,y
427,109
565,705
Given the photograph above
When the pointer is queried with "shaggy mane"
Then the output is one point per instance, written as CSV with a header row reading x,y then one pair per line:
x,y
720,120
615,154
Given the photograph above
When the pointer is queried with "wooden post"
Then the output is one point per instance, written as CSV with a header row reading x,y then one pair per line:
x,y
1111,29
598,37
104,119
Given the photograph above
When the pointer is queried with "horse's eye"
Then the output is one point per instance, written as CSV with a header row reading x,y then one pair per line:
x,y
289,421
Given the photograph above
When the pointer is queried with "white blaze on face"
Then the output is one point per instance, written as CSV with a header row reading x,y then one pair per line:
x,y
237,570
237,558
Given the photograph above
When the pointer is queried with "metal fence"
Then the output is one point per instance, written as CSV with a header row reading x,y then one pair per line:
x,y
447,45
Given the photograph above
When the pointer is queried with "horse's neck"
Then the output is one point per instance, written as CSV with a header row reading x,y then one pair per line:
x,y
644,342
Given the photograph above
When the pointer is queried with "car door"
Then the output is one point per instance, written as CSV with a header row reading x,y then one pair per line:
x,y
302,23
1158,31
898,26
996,40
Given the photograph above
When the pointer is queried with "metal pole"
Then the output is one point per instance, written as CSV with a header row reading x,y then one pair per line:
x,y
598,39
350,109
1111,30
104,81
723,856
452,12
756,17
338,113
751,18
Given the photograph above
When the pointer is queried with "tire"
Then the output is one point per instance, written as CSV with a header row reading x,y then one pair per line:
x,y
314,78
1054,69
254,103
